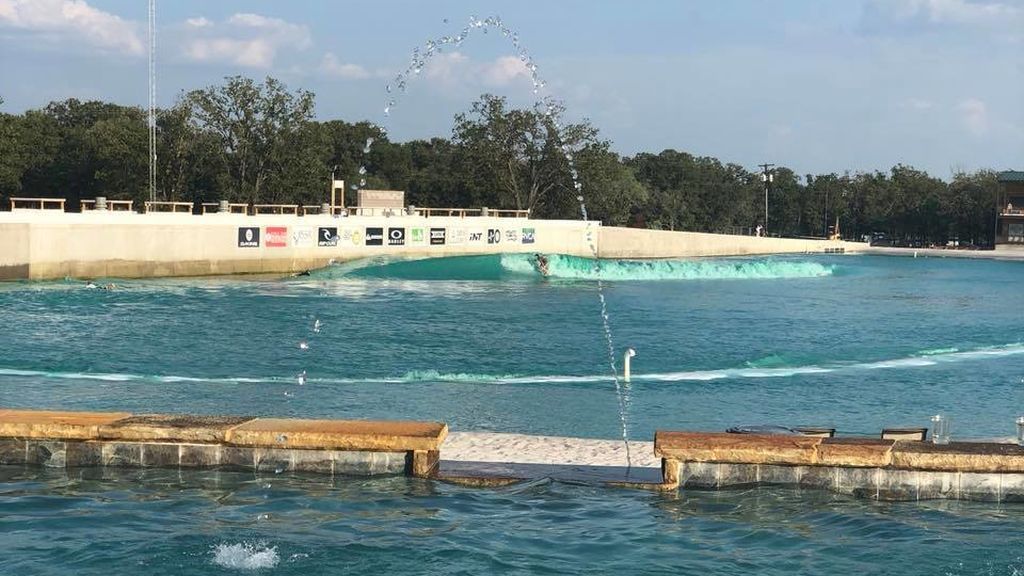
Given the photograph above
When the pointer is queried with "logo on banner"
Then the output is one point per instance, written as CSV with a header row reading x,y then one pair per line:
x,y
476,236
396,236
374,236
457,236
327,237
277,237
493,236
437,236
512,236
416,236
248,237
302,237
527,236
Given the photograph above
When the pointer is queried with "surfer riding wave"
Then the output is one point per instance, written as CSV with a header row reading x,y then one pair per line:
x,y
541,263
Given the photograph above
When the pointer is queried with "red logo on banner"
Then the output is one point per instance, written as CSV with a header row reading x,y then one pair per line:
x,y
277,237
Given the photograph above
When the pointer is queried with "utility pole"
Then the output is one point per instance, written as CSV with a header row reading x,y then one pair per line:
x,y
152,101
767,177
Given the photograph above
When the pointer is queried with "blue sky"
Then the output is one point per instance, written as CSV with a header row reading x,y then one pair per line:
x,y
816,85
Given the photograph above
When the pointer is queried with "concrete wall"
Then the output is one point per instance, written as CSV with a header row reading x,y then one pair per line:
x,y
45,244
636,243
38,244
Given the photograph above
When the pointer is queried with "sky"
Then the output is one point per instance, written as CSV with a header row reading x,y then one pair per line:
x,y
816,85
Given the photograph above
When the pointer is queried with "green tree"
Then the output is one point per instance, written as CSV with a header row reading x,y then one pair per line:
x,y
118,155
519,157
254,124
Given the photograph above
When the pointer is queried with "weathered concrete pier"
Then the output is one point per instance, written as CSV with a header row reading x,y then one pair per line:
x,y
342,447
864,467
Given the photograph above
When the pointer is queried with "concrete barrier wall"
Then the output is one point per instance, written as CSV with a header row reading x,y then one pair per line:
x,y
36,244
637,243
45,245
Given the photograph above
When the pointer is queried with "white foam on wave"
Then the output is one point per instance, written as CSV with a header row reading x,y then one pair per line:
x,y
916,361
245,556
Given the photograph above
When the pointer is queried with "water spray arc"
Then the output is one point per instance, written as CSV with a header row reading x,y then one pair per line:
x,y
545,104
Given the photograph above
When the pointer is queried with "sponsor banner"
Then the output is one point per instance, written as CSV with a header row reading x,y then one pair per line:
x,y
302,237
458,236
417,237
248,237
476,236
374,236
512,236
527,235
493,236
277,236
327,236
396,236
437,236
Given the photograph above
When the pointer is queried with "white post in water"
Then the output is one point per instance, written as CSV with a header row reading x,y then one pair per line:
x,y
625,363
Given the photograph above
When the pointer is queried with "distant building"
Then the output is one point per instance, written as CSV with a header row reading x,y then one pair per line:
x,y
1010,224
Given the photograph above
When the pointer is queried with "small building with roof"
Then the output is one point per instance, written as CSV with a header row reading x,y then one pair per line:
x,y
1010,210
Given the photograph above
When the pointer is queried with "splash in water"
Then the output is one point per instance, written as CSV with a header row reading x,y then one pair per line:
x,y
245,556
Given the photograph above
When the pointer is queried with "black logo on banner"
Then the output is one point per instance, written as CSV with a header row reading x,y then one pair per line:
x,y
374,236
493,236
248,237
396,236
327,237
436,236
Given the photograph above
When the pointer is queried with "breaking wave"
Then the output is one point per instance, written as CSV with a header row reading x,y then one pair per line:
x,y
563,267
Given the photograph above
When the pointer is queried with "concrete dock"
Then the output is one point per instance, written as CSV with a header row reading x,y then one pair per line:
x,y
864,467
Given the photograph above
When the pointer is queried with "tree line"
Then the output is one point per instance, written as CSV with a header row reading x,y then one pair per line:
x,y
250,141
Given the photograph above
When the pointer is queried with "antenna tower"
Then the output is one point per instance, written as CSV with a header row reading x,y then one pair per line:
x,y
152,100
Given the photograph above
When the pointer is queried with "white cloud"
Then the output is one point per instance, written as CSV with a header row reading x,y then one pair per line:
x,y
331,66
918,104
54,21
446,68
974,116
881,14
249,40
452,69
505,70
199,22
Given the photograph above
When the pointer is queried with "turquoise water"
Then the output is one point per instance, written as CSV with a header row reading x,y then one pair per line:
x,y
485,343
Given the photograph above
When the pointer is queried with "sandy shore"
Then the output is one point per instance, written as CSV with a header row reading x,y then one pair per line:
x,y
499,455
526,449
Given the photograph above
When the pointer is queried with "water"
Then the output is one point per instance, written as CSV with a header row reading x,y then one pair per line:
x,y
484,343
160,522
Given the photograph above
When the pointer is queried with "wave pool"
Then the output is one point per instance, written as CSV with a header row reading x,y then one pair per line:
x,y
486,343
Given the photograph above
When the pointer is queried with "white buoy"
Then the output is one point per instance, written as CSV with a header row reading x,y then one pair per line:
x,y
625,363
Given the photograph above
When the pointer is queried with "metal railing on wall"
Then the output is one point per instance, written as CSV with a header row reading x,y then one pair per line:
x,y
99,204
111,205
37,204
173,207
